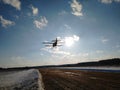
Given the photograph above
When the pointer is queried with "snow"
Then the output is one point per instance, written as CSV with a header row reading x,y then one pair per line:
x,y
102,69
25,80
99,68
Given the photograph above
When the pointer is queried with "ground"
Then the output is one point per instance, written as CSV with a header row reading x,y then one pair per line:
x,y
20,80
58,79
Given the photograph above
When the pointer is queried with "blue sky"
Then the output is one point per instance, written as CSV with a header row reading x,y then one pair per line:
x,y
90,29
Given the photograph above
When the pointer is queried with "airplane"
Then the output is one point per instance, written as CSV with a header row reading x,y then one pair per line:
x,y
53,43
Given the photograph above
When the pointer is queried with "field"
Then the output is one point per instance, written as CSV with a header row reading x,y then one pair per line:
x,y
59,79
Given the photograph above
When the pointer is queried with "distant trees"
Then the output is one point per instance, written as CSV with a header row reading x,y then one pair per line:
x,y
108,62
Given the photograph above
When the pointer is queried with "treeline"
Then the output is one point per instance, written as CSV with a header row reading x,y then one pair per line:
x,y
108,62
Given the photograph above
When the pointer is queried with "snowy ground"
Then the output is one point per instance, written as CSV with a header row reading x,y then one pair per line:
x,y
21,80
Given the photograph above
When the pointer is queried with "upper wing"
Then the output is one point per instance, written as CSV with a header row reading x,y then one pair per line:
x,y
47,43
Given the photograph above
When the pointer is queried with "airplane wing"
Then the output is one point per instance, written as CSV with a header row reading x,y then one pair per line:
x,y
47,43
53,40
59,45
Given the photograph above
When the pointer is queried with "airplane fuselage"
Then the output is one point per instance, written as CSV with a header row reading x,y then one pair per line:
x,y
55,43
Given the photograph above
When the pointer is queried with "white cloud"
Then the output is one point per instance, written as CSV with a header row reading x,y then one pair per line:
x,y
6,22
109,1
76,8
15,3
18,61
69,41
104,40
29,14
55,51
119,51
76,38
99,51
67,27
41,23
61,52
79,57
117,0
63,12
17,17
73,38
34,10
117,46
106,1
84,54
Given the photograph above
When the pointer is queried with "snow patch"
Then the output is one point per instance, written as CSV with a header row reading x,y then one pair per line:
x,y
26,79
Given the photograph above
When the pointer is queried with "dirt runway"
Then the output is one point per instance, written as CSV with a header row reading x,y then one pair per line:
x,y
56,79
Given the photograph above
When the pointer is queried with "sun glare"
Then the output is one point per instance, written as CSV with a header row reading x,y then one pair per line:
x,y
69,41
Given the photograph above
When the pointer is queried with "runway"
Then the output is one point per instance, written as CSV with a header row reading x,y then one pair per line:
x,y
59,79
